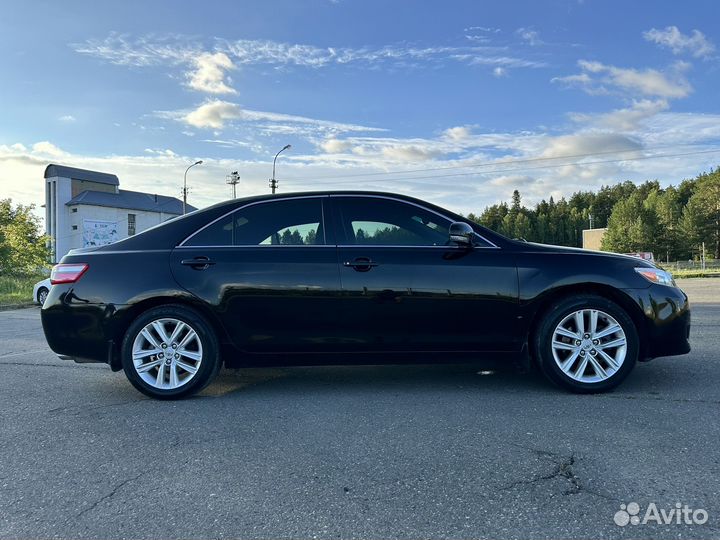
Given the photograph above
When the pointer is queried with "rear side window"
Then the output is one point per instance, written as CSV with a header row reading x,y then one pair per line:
x,y
219,233
295,222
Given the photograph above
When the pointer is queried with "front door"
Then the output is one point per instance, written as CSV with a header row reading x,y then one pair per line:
x,y
407,288
270,273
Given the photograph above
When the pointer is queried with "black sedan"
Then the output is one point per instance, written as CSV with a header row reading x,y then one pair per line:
x,y
354,277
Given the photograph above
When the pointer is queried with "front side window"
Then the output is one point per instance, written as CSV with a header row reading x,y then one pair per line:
x,y
293,222
376,221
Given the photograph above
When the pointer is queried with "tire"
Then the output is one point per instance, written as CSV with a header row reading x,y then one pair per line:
x,y
42,295
170,352
580,359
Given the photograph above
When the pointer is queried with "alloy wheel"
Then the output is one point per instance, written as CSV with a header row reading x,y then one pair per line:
x,y
167,353
589,345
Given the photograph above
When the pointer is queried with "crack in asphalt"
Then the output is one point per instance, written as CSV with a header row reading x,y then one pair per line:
x,y
563,469
68,365
109,495
660,398
83,409
23,353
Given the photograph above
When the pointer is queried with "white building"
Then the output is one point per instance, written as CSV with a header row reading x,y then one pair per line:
x,y
87,208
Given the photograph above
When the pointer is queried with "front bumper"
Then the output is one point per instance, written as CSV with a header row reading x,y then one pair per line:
x,y
666,328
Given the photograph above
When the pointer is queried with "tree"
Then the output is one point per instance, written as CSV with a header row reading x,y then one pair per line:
x,y
23,250
706,201
311,237
632,226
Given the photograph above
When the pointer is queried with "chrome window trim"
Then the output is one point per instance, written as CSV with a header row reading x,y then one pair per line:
x,y
266,246
262,246
322,210
491,246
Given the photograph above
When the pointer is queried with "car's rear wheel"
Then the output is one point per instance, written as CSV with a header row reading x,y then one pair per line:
x,y
586,343
170,352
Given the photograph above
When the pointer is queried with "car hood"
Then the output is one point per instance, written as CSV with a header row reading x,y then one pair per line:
x,y
547,248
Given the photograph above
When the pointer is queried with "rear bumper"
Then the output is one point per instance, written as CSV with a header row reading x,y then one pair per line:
x,y
666,312
82,332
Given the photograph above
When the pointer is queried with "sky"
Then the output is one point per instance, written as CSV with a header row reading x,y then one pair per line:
x,y
455,102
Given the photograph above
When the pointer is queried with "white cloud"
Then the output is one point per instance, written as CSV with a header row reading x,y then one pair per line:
x,y
458,133
334,146
160,152
532,37
45,148
177,50
623,120
500,72
597,77
210,72
480,34
213,114
580,144
410,152
121,50
216,114
671,37
69,118
514,181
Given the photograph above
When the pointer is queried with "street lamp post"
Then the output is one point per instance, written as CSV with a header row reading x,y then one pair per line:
x,y
273,182
185,190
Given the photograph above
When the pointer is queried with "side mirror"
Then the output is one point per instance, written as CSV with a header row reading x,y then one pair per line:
x,y
461,233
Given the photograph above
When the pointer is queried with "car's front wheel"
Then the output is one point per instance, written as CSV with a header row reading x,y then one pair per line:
x,y
170,352
586,343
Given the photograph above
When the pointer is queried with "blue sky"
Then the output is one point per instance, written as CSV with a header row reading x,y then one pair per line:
x,y
473,98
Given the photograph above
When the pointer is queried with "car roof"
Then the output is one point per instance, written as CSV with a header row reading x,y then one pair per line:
x,y
170,233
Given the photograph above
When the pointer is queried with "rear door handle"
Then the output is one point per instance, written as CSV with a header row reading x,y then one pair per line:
x,y
361,264
198,263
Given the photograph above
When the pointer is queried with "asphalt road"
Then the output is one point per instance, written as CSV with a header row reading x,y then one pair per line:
x,y
361,452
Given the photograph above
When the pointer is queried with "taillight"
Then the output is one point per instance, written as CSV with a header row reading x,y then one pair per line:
x,y
67,273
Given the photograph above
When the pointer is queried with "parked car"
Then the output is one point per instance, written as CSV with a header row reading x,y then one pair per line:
x,y
41,290
354,277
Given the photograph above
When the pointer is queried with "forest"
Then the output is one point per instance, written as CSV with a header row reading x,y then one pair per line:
x,y
672,222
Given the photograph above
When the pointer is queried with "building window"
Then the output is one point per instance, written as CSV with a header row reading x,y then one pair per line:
x,y
74,210
131,224
74,227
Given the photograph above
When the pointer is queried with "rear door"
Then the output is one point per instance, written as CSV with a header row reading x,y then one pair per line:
x,y
406,287
269,270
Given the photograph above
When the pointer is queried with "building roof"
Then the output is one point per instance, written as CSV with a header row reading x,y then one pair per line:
x,y
81,174
130,200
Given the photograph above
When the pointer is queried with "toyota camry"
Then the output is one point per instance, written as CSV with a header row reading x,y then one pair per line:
x,y
354,277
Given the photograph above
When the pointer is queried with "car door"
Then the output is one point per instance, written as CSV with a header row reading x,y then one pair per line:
x,y
406,287
269,271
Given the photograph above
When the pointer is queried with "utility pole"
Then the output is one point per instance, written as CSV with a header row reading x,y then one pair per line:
x,y
233,178
185,188
591,221
273,182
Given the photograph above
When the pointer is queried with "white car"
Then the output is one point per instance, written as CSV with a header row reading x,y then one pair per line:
x,y
41,290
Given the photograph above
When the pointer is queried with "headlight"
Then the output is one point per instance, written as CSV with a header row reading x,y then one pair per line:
x,y
655,275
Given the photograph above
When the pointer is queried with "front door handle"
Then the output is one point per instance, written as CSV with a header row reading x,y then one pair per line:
x,y
361,264
198,263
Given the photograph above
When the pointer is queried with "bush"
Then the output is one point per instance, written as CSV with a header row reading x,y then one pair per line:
x,y
23,249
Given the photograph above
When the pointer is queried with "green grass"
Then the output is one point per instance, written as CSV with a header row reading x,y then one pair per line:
x,y
17,289
690,273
